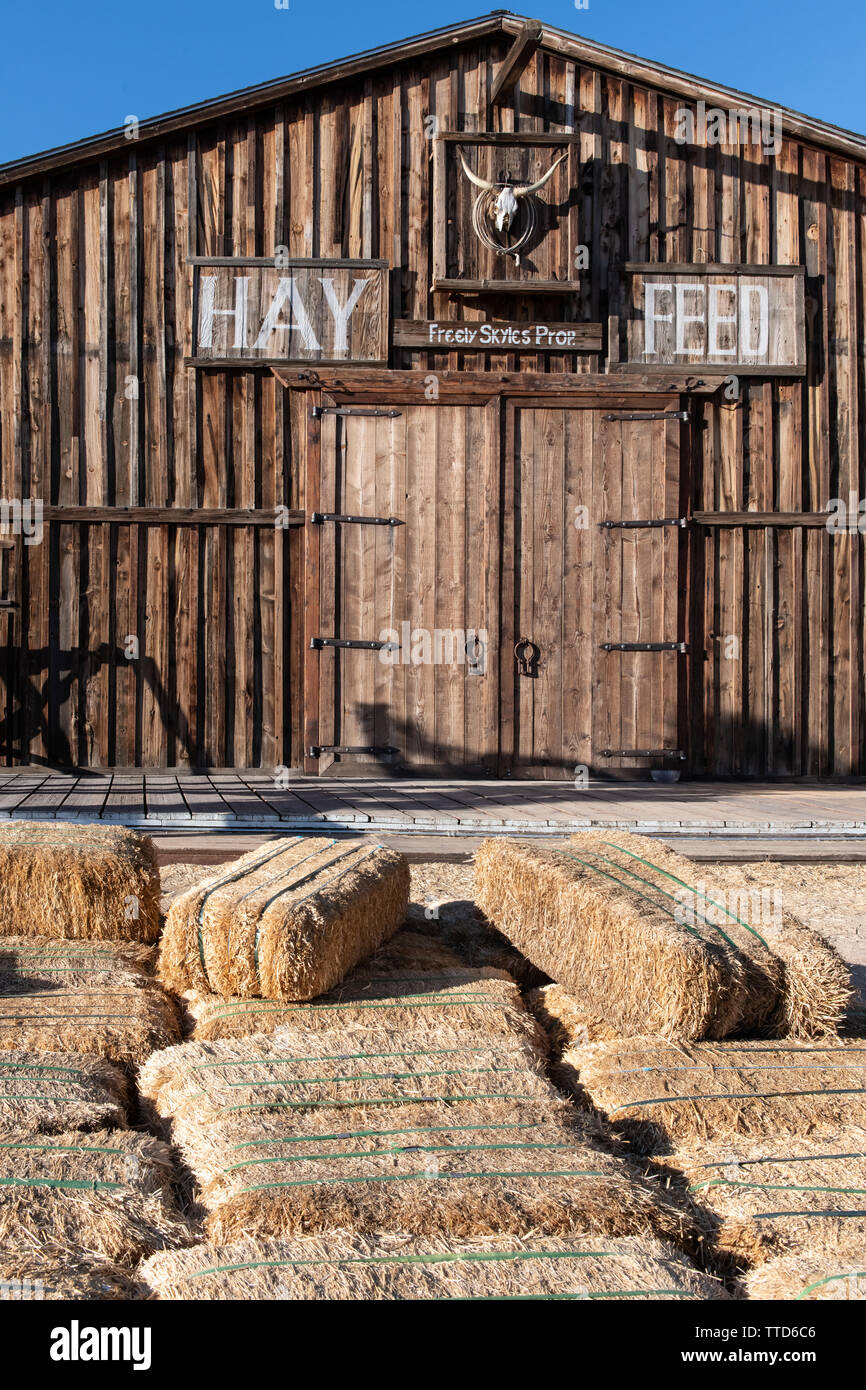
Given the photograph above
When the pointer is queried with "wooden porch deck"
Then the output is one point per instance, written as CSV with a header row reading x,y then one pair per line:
x,y
241,800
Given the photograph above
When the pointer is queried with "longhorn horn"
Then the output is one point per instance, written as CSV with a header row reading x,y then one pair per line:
x,y
473,178
533,187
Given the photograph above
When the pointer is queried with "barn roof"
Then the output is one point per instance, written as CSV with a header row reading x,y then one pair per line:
x,y
611,60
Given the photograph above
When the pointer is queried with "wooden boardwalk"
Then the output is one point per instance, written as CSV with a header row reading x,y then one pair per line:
x,y
240,800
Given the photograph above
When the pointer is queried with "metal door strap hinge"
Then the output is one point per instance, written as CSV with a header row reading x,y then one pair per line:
x,y
644,646
317,642
319,410
317,518
681,521
649,415
643,753
318,749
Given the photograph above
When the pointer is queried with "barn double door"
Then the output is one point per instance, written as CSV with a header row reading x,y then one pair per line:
x,y
594,499
496,594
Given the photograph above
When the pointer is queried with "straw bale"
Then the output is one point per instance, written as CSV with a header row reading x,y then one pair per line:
x,y
287,921
54,960
297,1069
768,1197
809,1278
104,1193
563,1019
67,1275
345,1266
462,1170
49,1093
482,1000
123,1024
660,1096
817,989
601,929
60,879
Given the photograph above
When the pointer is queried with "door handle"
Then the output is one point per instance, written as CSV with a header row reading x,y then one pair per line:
x,y
527,653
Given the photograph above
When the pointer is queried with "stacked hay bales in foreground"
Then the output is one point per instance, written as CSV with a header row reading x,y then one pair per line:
x,y
772,1197
342,1266
107,1192
72,1278
79,909
123,1024
287,921
53,961
809,1278
456,1133
660,1096
51,1093
81,1196
70,881
621,925
421,1002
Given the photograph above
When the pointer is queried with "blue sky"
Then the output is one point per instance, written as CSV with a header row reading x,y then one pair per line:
x,y
72,70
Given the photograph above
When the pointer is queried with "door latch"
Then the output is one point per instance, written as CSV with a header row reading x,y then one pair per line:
x,y
527,653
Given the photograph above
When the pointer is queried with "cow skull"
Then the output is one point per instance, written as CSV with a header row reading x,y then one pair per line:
x,y
504,209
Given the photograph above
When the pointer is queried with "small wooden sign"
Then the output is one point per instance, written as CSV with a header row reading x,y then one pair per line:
x,y
486,335
750,320
256,310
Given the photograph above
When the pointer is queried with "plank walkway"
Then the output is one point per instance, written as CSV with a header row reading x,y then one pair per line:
x,y
240,800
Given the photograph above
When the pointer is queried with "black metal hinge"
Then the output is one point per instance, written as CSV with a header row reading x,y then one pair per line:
x,y
681,521
316,750
649,415
644,646
318,518
317,642
643,753
319,410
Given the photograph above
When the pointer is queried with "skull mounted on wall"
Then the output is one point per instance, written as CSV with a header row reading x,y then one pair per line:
x,y
505,214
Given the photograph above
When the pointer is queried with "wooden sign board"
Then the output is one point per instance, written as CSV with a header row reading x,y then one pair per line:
x,y
486,335
749,320
325,311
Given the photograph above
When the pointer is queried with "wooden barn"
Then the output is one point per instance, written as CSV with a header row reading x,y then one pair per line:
x,y
488,404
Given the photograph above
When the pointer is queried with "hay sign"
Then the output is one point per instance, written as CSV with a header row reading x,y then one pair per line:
x,y
297,311
746,319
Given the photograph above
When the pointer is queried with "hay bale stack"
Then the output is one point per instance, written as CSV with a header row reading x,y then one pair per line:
x,y
294,1070
46,1093
77,881
480,1000
343,1267
287,921
459,1170
92,963
392,1131
123,1024
809,1279
612,939
107,1193
660,1096
564,1021
768,1197
69,1276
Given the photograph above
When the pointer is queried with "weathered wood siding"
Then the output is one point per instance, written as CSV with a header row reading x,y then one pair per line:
x,y
97,408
